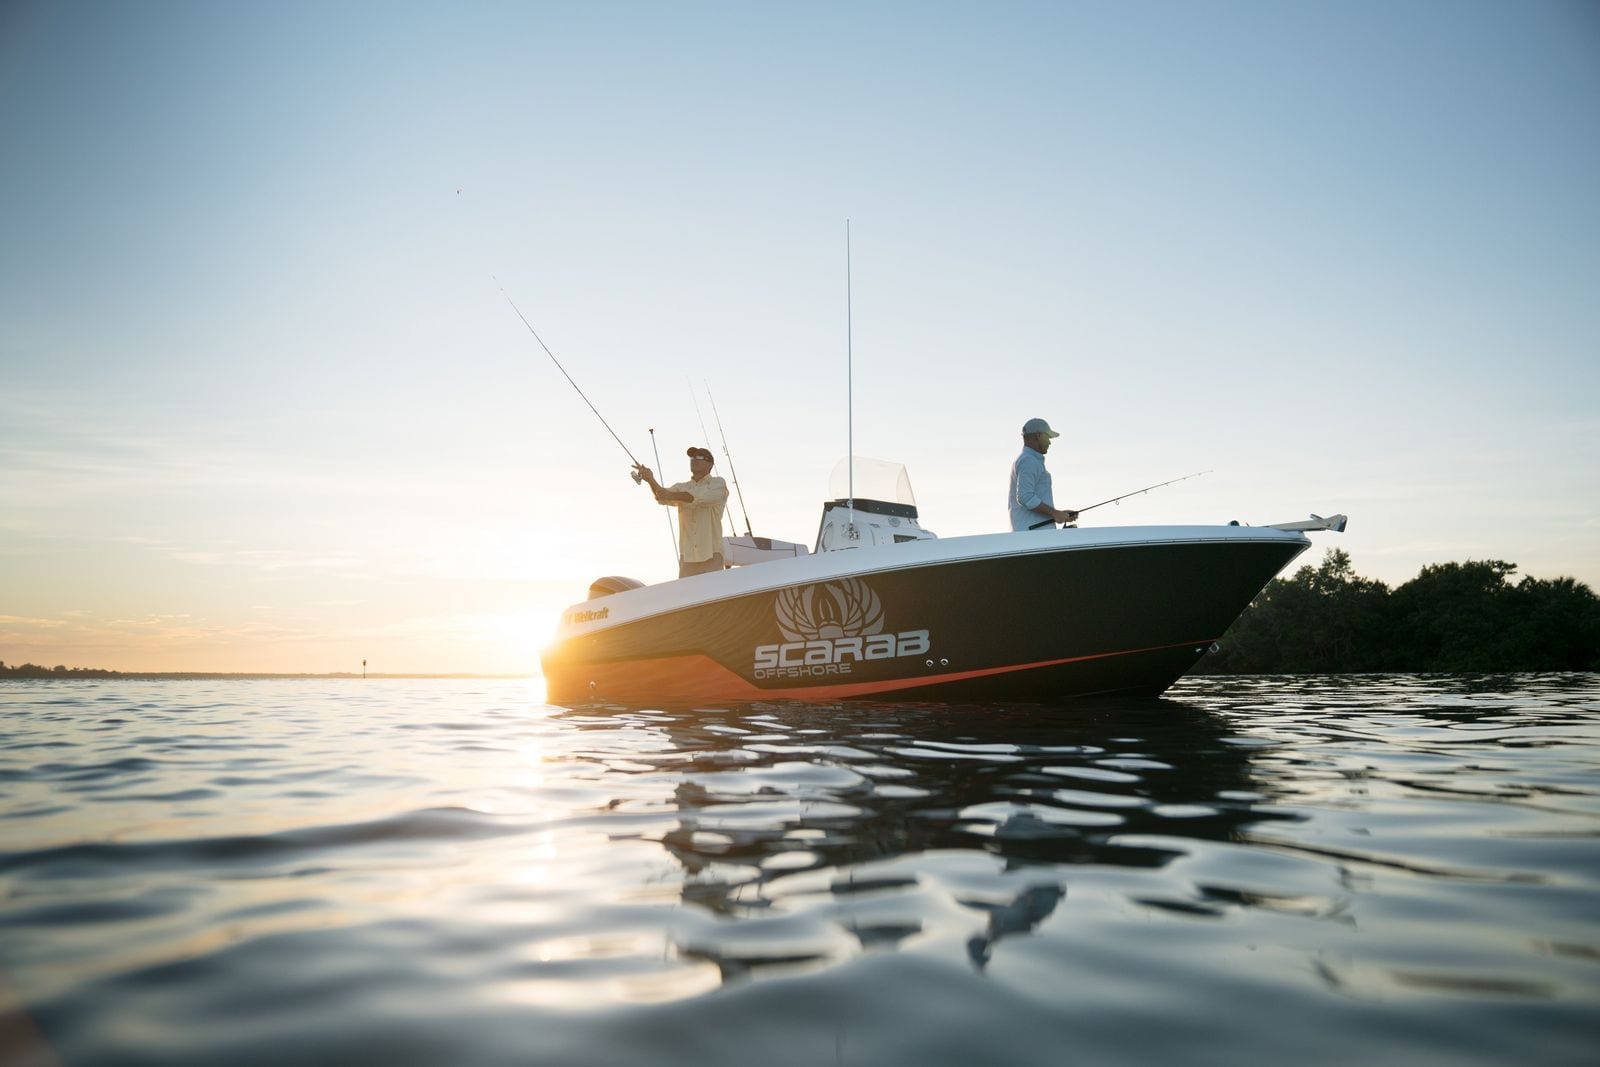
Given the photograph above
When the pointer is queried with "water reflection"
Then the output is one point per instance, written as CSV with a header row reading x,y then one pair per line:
x,y
1017,916
851,816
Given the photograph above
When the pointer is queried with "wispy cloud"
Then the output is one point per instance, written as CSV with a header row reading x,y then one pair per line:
x,y
269,560
30,622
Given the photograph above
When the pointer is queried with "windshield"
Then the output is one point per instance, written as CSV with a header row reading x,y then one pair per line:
x,y
875,479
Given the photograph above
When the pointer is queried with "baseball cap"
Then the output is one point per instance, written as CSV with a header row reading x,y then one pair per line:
x,y
1033,426
702,453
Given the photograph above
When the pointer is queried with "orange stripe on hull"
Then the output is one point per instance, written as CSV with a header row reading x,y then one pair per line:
x,y
680,679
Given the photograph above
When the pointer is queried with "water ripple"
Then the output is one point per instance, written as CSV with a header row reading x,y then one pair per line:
x,y
419,873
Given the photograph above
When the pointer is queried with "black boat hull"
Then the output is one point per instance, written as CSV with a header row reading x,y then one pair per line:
x,y
1028,626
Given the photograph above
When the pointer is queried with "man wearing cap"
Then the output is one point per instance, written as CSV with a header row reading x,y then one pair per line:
x,y
1032,505
699,501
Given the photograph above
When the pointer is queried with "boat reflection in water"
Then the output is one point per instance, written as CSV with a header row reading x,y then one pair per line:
x,y
885,610
808,834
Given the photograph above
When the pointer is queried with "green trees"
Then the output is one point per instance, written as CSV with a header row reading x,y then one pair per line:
x,y
1450,617
33,670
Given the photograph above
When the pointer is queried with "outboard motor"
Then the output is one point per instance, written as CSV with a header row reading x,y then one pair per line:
x,y
612,583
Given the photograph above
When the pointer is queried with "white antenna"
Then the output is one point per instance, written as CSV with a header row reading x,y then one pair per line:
x,y
849,366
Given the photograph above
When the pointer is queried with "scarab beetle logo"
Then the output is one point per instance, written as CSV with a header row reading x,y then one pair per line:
x,y
829,628
828,610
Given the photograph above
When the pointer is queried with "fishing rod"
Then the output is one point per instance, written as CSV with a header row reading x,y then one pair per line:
x,y
1146,489
568,377
670,528
731,472
705,435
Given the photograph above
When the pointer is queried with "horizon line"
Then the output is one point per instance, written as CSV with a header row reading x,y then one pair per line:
x,y
49,673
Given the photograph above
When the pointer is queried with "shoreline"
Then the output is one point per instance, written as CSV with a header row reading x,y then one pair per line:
x,y
157,676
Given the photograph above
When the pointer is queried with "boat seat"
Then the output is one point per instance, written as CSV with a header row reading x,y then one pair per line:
x,y
612,583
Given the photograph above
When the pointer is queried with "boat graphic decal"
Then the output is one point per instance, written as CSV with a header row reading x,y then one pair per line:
x,y
827,610
575,616
830,627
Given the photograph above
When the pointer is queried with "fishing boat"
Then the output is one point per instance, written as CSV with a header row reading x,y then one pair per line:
x,y
883,609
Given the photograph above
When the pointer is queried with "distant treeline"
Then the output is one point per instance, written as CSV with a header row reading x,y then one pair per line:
x,y
1450,617
33,670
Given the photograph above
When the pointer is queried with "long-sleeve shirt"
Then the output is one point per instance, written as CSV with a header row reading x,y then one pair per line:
x,y
1030,487
700,521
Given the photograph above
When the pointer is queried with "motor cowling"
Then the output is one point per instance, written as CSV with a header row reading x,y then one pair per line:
x,y
612,583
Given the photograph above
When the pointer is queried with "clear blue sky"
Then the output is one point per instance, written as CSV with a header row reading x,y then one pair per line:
x,y
263,406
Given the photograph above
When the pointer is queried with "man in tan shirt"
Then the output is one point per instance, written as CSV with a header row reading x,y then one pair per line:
x,y
699,501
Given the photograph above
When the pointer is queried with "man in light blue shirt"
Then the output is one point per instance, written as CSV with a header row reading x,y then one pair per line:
x,y
1032,504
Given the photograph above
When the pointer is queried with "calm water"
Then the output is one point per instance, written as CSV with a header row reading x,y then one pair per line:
x,y
1376,870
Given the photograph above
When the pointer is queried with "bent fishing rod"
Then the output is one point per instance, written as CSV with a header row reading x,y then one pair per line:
x,y
568,377
1146,489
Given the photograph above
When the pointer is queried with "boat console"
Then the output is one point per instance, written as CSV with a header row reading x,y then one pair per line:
x,y
872,505
863,523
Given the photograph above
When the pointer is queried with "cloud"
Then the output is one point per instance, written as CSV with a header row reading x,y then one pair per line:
x,y
263,559
34,622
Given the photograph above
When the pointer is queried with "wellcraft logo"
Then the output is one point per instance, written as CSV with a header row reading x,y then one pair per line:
x,y
828,628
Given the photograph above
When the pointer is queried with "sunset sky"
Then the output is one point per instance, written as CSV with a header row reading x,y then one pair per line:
x,y
263,405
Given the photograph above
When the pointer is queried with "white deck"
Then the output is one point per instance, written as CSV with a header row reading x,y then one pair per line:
x,y
651,600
